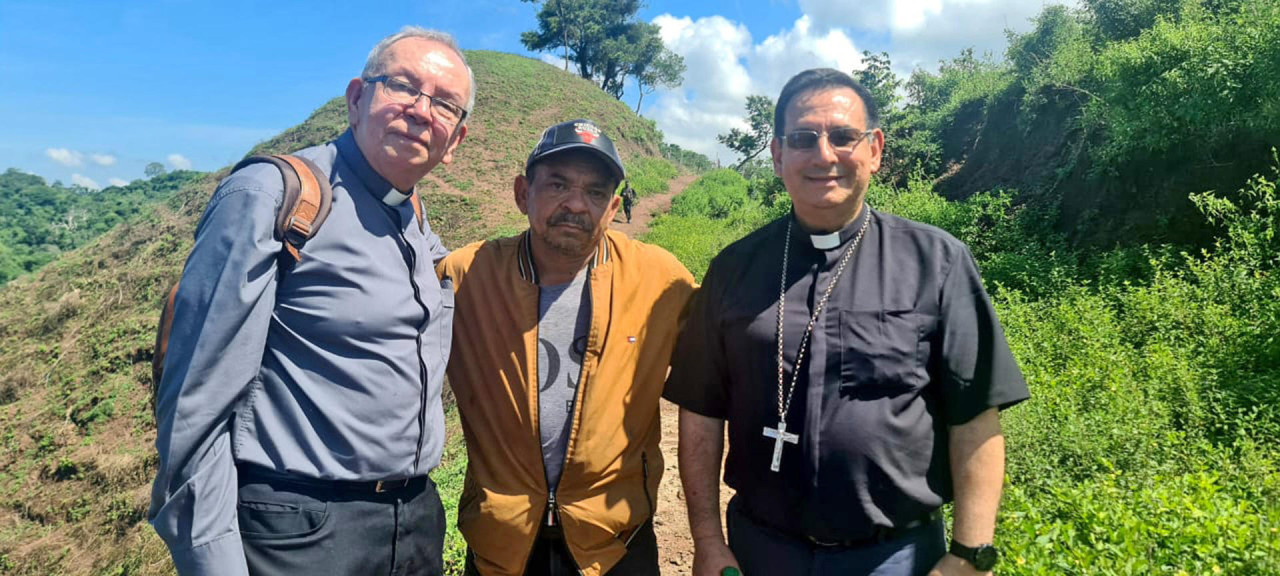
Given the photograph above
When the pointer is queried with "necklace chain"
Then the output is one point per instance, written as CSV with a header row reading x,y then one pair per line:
x,y
785,393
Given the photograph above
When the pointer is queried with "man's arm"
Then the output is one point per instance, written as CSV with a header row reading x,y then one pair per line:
x,y
977,470
221,316
701,448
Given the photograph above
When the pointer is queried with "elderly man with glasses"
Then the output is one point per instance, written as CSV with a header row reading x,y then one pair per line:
x,y
859,364
299,410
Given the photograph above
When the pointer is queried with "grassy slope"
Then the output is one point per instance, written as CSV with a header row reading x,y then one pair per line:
x,y
76,337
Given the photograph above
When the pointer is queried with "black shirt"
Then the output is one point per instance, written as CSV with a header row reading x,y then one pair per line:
x,y
908,344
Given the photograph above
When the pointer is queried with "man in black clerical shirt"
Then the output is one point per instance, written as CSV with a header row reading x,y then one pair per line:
x,y
859,364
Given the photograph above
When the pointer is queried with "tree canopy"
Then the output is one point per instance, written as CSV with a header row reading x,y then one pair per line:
x,y
606,43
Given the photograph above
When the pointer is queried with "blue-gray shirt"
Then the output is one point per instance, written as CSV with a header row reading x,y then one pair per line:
x,y
330,370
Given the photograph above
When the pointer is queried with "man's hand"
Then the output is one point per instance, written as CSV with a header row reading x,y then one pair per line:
x,y
710,556
950,566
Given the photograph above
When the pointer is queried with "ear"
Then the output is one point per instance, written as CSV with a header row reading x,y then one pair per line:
x,y
355,88
877,149
775,150
521,189
459,135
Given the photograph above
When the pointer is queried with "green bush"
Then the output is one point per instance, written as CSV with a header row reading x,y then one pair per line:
x,y
649,175
717,194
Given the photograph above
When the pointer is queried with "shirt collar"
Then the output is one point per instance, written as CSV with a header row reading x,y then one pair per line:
x,y
529,271
833,240
369,178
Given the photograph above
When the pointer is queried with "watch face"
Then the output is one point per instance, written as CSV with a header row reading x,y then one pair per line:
x,y
984,557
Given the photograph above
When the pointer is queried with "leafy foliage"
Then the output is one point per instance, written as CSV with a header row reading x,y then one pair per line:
x,y
38,222
755,139
606,43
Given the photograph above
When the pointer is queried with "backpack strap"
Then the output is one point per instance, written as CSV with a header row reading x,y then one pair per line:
x,y
307,199
416,200
306,203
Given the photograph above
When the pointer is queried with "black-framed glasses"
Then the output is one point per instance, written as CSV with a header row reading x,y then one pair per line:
x,y
402,92
840,139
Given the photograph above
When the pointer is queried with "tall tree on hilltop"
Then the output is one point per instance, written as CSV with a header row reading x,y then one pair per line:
x,y
656,66
604,41
751,142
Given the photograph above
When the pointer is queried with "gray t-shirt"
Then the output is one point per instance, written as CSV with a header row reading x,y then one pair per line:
x,y
564,317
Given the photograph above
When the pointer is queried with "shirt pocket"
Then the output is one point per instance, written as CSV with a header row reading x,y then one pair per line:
x,y
445,326
880,349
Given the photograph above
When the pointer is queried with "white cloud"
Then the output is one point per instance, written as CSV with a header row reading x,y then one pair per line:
x,y
64,156
103,159
724,66
554,60
922,32
84,182
117,182
178,162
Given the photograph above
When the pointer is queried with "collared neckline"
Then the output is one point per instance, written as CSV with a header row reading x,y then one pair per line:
x,y
369,179
529,271
833,240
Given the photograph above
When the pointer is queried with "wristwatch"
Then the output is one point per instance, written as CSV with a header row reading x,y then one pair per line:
x,y
983,556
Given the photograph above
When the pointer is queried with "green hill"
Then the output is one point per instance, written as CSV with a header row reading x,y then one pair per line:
x,y
76,335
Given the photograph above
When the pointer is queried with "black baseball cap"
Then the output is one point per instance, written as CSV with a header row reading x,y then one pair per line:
x,y
580,133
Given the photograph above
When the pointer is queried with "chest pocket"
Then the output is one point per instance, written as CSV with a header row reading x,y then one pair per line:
x,y
879,350
445,325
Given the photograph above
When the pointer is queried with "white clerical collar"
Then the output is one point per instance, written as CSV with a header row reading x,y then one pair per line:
x,y
826,241
394,198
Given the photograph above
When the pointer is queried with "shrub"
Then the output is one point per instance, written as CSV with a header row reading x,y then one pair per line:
x,y
650,175
717,194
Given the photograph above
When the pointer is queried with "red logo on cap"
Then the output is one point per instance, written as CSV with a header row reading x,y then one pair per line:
x,y
587,132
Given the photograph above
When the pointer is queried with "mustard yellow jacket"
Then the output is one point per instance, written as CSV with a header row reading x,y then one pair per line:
x,y
613,465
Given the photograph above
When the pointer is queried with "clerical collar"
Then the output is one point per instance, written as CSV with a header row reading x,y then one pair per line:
x,y
833,240
368,177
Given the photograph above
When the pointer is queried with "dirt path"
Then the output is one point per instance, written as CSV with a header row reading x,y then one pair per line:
x,y
645,209
675,544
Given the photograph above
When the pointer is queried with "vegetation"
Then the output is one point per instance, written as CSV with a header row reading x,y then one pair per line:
x,y
38,222
690,160
650,176
755,139
1121,108
607,44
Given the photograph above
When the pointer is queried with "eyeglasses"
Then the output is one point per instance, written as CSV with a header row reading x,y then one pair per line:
x,y
402,92
840,139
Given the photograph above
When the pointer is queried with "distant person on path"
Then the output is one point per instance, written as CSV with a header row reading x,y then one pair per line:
x,y
563,340
299,411
628,200
859,364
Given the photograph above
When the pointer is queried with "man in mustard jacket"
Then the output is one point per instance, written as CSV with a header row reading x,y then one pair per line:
x,y
561,349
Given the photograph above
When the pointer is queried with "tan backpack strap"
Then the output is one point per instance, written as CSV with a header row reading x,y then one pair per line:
x,y
306,202
299,219
417,208
162,343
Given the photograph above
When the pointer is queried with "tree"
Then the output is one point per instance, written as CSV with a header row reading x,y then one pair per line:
x,y
605,42
656,67
154,169
878,78
751,142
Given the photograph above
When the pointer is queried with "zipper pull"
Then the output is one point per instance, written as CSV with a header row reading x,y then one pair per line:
x,y
551,509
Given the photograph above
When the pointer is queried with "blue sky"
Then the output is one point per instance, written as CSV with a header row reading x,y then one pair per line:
x,y
93,90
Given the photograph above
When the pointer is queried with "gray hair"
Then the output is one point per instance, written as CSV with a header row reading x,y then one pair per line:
x,y
374,65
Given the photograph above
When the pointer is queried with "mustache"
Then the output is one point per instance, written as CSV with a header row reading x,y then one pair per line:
x,y
576,220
